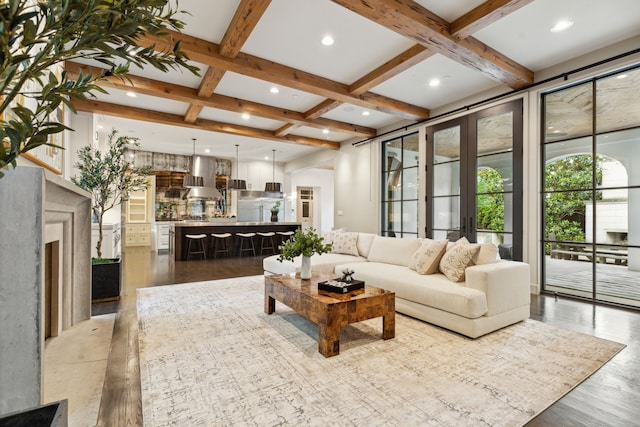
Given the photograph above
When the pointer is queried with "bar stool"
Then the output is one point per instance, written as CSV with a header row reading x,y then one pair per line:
x,y
242,237
268,236
284,236
222,247
198,238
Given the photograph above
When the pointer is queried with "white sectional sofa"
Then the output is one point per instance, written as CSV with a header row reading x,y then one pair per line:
x,y
493,293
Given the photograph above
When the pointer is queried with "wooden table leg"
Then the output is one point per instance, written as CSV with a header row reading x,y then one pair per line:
x,y
328,336
389,319
269,301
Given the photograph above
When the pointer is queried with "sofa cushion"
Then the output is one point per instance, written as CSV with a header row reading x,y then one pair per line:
x,y
392,250
434,290
324,263
345,243
457,259
364,243
427,258
488,254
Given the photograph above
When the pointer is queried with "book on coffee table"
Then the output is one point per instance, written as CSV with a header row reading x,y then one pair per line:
x,y
340,287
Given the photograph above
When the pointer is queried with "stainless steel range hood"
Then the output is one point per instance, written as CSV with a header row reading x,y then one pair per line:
x,y
206,168
259,195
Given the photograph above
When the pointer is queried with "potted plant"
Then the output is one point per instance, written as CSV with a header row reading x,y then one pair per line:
x,y
305,243
274,211
110,178
38,37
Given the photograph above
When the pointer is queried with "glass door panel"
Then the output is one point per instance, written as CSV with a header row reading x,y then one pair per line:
x,y
445,188
475,170
493,182
591,190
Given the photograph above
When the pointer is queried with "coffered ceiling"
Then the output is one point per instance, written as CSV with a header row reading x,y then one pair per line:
x,y
265,60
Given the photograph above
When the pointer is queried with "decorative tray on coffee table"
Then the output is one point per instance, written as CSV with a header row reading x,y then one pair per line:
x,y
339,286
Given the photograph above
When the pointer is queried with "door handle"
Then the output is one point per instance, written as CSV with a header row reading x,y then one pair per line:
x,y
470,224
464,225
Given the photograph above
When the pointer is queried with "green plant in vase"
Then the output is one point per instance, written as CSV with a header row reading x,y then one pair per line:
x,y
274,211
305,244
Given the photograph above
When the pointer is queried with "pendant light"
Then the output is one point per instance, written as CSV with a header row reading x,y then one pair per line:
x,y
273,187
237,184
193,181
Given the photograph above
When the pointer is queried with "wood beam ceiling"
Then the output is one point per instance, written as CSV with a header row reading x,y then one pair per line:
x,y
202,124
484,15
189,95
389,69
207,53
432,34
245,19
413,21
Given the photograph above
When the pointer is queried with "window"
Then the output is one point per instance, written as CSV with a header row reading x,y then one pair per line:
x,y
591,187
400,186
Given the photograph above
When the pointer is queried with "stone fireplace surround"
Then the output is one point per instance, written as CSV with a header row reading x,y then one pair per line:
x,y
38,207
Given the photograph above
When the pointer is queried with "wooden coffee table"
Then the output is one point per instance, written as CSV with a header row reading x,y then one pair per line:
x,y
329,310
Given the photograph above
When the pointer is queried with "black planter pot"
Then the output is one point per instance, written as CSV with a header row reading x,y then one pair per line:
x,y
274,216
105,280
50,415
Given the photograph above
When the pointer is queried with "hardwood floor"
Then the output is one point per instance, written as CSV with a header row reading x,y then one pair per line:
x,y
608,398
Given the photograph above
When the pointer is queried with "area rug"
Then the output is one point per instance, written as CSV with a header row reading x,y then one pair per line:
x,y
210,356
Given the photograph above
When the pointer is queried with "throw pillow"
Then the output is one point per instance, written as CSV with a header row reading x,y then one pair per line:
x,y
456,260
487,254
329,236
345,243
427,257
461,241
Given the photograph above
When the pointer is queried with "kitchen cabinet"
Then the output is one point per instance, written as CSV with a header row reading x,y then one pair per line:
x,y
137,234
137,206
162,236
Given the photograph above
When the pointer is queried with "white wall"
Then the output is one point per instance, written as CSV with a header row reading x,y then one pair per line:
x,y
357,187
322,182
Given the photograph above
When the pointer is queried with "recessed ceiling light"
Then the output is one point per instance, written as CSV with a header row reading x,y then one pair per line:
x,y
561,25
207,150
325,131
621,76
365,113
327,40
434,82
266,157
131,94
246,116
100,127
132,155
274,90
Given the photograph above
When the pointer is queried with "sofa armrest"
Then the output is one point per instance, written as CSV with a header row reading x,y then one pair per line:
x,y
505,283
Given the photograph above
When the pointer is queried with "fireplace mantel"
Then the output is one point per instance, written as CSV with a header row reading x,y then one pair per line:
x,y
38,207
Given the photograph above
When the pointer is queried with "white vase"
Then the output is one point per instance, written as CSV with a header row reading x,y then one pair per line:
x,y
305,268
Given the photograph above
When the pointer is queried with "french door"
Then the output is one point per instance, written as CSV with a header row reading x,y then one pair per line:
x,y
474,178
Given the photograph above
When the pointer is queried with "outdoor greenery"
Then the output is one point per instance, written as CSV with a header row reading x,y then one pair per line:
x,y
37,37
109,177
304,243
568,184
490,200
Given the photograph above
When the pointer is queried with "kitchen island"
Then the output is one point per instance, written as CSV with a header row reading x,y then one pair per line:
x,y
178,230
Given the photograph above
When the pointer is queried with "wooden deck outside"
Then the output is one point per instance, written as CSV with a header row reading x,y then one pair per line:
x,y
615,281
